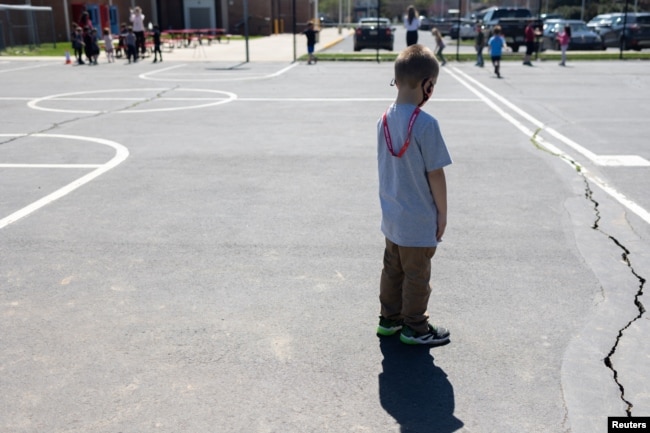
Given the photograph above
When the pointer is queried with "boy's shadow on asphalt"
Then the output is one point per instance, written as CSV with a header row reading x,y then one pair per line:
x,y
414,391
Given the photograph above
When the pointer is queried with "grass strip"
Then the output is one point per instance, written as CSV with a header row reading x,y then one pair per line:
x,y
470,57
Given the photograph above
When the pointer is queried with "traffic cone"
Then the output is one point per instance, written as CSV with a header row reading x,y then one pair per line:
x,y
67,58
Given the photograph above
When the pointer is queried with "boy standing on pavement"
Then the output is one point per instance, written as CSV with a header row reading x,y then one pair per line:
x,y
156,44
411,154
131,49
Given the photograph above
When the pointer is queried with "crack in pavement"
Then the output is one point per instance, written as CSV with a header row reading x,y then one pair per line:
x,y
56,125
608,359
626,259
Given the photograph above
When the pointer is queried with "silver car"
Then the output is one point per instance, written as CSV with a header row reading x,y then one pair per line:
x,y
582,37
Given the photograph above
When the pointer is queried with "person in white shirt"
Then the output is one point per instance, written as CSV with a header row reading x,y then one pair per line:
x,y
137,19
412,24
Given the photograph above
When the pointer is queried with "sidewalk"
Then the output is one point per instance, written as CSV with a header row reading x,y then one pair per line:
x,y
275,48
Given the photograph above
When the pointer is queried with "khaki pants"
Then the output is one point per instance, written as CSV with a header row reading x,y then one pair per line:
x,y
404,288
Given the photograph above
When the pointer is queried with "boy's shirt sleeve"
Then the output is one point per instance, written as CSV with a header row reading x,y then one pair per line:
x,y
433,148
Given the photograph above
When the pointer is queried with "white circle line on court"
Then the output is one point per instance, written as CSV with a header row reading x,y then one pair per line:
x,y
238,99
346,100
34,103
50,165
40,65
121,154
150,75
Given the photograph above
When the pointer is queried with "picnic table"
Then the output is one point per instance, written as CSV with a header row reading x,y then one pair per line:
x,y
184,37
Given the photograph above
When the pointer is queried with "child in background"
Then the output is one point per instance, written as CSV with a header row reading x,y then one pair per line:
x,y
121,42
440,45
94,47
311,42
479,44
496,44
564,38
78,44
108,45
131,50
156,44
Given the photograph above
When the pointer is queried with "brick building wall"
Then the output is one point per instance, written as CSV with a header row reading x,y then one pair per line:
x,y
265,16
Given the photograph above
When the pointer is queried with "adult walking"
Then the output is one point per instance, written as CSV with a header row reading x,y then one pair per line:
x,y
412,24
137,21
530,33
85,21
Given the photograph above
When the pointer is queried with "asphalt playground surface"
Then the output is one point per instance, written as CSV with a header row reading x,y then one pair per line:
x,y
194,246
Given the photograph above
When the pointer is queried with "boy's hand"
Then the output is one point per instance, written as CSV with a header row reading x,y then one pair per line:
x,y
442,225
438,186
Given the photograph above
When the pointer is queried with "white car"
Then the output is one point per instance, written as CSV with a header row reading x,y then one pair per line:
x,y
467,30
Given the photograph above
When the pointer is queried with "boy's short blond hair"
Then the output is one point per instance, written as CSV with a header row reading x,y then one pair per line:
x,y
415,64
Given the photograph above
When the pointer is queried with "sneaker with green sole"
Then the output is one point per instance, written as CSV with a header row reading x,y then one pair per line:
x,y
436,335
388,327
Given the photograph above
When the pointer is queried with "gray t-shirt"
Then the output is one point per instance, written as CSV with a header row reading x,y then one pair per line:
x,y
409,214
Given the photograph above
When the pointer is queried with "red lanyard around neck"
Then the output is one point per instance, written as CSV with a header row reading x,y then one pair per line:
x,y
389,140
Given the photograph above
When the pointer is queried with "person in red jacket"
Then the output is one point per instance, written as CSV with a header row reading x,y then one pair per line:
x,y
529,38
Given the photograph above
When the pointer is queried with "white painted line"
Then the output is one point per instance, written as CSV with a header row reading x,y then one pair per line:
x,y
163,98
50,165
40,65
626,160
166,98
165,94
621,198
76,96
150,75
344,100
121,153
144,76
612,192
623,161
96,99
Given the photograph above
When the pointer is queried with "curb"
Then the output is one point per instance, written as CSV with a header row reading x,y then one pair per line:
x,y
334,42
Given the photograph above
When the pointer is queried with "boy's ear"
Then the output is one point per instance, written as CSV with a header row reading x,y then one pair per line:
x,y
428,88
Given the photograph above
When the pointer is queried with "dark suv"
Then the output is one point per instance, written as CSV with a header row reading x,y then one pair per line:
x,y
619,31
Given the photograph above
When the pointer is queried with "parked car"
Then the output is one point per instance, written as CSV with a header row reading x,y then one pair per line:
x,y
637,35
326,21
513,22
582,37
619,31
442,24
374,33
467,30
545,17
601,23
427,23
